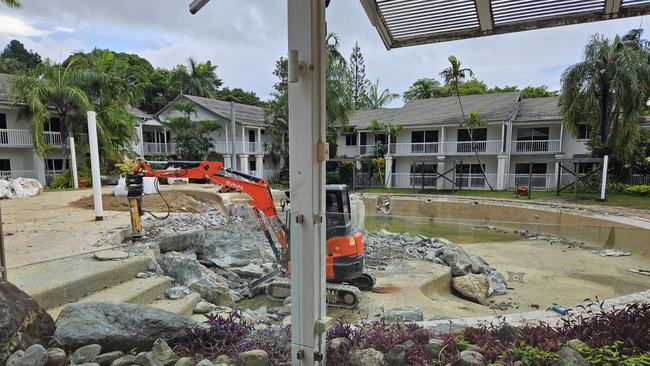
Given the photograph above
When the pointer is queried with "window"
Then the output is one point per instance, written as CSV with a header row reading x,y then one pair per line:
x,y
532,139
584,168
381,138
5,165
252,166
3,121
55,164
53,126
464,140
424,142
423,174
583,131
470,175
350,140
363,137
524,168
4,135
251,135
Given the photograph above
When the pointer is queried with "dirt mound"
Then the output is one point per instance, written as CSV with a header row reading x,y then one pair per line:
x,y
179,201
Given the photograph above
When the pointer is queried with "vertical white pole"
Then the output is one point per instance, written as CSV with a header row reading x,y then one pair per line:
x,y
73,163
243,140
94,165
307,180
259,140
603,186
141,137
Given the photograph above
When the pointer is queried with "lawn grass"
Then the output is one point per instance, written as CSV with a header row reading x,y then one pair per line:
x,y
584,198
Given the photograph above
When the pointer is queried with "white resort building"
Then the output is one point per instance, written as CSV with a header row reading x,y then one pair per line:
x,y
517,134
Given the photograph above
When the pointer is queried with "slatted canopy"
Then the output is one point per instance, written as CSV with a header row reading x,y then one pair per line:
x,y
403,23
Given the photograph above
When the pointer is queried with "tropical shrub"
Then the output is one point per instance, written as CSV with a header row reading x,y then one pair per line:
x,y
637,189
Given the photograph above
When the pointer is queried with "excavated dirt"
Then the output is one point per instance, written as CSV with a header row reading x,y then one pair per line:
x,y
190,201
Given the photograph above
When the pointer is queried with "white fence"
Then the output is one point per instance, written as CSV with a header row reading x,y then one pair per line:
x,y
535,146
15,137
12,174
490,147
428,180
52,138
156,148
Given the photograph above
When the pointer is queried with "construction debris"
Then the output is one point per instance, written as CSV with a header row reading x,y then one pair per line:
x,y
20,188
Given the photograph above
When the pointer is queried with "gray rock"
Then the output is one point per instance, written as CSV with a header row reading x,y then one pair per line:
x,y
184,361
433,348
86,354
367,357
396,356
15,359
141,275
205,363
126,360
181,241
249,270
202,307
254,358
473,287
195,276
470,358
22,321
146,359
224,359
442,317
89,364
570,357
462,263
111,255
56,357
404,314
162,353
105,359
498,285
337,343
117,326
35,355
177,292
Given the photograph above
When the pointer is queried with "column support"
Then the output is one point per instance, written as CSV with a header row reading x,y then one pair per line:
x,y
227,161
259,165
440,182
308,153
388,171
243,140
501,172
39,167
73,163
243,160
258,146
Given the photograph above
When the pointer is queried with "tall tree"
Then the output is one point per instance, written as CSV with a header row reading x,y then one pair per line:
x,y
277,115
12,3
376,99
339,104
281,71
193,138
537,92
424,89
454,75
358,82
15,57
609,90
239,95
197,78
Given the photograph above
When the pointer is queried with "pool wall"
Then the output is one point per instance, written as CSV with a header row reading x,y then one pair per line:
x,y
597,231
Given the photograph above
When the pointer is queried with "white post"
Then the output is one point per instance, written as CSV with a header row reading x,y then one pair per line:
x,y
259,165
259,141
308,153
243,161
389,170
243,140
440,168
603,186
227,162
94,165
73,163
441,150
501,172
39,167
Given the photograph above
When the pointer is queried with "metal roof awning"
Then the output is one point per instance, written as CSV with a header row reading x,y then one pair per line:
x,y
403,23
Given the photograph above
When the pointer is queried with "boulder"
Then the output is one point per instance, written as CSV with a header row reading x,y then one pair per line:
x,y
105,359
56,357
473,287
202,307
205,363
185,361
404,314
367,357
470,358
570,357
146,359
189,272
15,359
117,326
396,356
177,292
35,355
433,348
255,357
162,353
498,285
224,360
126,360
462,263
86,354
22,321
337,343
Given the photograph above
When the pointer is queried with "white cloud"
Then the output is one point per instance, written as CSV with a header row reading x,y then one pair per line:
x,y
15,26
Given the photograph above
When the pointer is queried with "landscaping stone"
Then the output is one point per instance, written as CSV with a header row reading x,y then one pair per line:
x,y
117,326
336,343
106,359
396,356
126,360
189,272
367,357
22,321
205,363
35,355
498,285
146,359
89,364
254,358
473,287
56,357
570,357
433,348
470,358
15,358
86,354
404,314
202,307
224,360
111,255
177,292
184,361
162,353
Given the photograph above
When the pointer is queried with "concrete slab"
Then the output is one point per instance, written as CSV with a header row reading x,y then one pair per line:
x,y
184,306
111,255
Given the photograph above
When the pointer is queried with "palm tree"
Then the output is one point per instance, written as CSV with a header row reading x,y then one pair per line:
x,y
609,90
339,104
11,3
50,86
197,78
376,100
454,75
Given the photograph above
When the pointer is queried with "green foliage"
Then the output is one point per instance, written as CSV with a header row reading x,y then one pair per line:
x,y
612,355
197,78
339,104
15,58
239,95
193,138
12,3
537,92
358,82
281,71
529,355
424,89
376,99
63,180
346,172
637,189
609,89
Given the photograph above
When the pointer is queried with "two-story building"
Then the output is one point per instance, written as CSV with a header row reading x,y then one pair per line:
x,y
513,133
241,140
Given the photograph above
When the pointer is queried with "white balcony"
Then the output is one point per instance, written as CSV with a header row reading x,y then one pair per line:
x,y
15,138
52,138
535,146
491,147
250,148
157,148
342,150
13,174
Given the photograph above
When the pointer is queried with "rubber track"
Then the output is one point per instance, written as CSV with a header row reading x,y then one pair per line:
x,y
334,290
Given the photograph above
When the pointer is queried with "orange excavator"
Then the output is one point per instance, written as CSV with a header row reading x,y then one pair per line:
x,y
345,269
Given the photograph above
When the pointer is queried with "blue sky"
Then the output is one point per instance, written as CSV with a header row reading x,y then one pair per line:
x,y
245,37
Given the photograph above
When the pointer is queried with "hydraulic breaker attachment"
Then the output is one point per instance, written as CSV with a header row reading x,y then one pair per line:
x,y
135,189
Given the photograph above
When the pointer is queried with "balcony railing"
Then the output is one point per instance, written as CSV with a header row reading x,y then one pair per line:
x,y
13,174
433,148
15,138
157,148
52,138
249,148
535,146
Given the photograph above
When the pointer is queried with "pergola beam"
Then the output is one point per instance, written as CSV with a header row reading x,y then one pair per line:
x,y
484,11
612,7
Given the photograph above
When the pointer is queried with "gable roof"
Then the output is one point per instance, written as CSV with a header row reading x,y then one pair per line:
x,y
361,119
136,112
539,109
245,114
